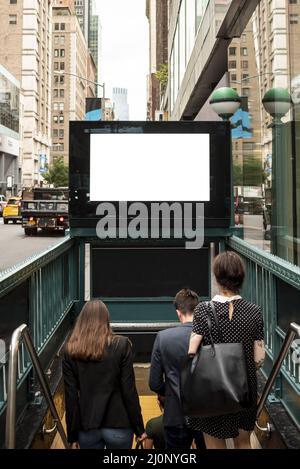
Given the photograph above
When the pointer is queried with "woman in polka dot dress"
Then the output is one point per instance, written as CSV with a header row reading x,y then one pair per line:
x,y
239,321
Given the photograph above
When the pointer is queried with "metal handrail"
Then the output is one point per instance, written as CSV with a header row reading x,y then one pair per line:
x,y
294,330
10,430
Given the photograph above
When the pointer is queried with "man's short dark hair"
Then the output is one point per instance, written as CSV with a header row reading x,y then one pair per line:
x,y
229,271
186,301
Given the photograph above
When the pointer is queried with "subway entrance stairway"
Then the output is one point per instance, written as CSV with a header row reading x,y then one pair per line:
x,y
47,293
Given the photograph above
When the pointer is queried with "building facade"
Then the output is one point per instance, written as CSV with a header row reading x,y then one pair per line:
x,y
72,64
157,14
10,157
25,51
120,103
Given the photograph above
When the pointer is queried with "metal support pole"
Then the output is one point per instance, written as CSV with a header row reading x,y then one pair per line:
x,y
293,331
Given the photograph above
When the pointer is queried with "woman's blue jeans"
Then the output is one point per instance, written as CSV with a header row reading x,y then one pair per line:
x,y
110,438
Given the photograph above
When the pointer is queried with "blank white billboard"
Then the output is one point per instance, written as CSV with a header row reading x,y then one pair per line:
x,y
150,167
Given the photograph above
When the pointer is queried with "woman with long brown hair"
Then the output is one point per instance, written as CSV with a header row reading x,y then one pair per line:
x,y
102,404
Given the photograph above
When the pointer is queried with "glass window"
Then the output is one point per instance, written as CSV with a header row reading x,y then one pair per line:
x,y
176,64
9,104
56,26
172,78
293,19
182,43
232,50
190,27
12,19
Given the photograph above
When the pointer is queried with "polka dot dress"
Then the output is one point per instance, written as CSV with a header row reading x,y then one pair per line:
x,y
246,326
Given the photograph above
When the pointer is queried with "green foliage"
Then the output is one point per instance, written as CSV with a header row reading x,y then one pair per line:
x,y
162,75
250,173
57,173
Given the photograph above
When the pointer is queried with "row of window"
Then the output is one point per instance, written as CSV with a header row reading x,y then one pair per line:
x,y
245,77
58,147
59,40
59,119
59,26
59,52
59,65
58,93
58,133
59,80
232,51
58,106
232,64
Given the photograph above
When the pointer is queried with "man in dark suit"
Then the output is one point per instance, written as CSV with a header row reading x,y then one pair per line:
x,y
170,348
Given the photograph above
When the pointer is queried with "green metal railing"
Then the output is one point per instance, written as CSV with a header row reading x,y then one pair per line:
x,y
51,280
261,287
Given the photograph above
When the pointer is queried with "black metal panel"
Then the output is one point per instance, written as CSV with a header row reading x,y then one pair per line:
x,y
14,310
217,211
141,273
288,299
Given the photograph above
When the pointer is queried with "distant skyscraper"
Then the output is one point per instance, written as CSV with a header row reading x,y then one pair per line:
x,y
121,106
82,11
91,27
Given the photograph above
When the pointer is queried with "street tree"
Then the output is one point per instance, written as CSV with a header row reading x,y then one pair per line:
x,y
57,173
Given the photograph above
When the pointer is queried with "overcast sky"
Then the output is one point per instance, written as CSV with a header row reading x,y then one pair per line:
x,y
125,51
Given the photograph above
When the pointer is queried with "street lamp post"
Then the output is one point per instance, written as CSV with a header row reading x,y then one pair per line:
x,y
101,85
225,102
277,102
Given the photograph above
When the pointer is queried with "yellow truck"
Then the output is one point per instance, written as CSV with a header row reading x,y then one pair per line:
x,y
12,210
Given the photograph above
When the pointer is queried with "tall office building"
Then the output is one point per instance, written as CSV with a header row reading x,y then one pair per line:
x,y
71,61
25,51
120,103
157,14
82,8
91,28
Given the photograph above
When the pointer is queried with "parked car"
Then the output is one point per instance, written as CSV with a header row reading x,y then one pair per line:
x,y
12,210
2,203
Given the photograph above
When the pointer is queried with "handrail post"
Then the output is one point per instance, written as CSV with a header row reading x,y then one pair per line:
x,y
294,330
44,385
10,435
10,428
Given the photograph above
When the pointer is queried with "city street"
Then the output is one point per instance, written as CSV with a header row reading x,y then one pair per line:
x,y
15,247
254,232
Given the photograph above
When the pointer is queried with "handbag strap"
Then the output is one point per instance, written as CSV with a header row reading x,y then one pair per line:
x,y
213,310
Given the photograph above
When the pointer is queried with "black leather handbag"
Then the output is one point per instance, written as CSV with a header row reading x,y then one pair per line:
x,y
215,381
